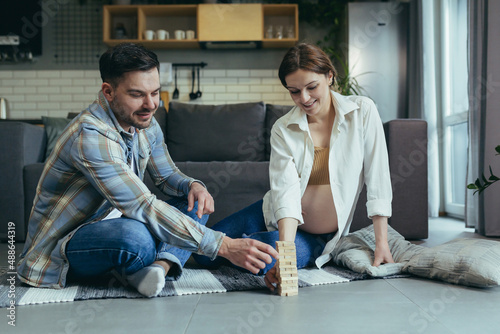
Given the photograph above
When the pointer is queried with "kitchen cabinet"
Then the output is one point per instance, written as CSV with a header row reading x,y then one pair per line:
x,y
209,22
230,23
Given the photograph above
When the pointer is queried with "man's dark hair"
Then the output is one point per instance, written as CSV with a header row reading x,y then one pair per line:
x,y
123,58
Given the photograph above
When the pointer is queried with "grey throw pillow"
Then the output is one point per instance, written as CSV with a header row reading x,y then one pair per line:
x,y
231,132
473,262
54,127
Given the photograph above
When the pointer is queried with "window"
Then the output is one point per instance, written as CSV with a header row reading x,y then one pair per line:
x,y
455,105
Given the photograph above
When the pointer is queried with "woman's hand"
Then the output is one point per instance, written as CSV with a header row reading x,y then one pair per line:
x,y
382,254
382,250
271,278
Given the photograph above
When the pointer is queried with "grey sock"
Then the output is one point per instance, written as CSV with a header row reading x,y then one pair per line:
x,y
149,281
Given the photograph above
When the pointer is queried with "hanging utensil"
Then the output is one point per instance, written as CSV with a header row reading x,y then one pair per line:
x,y
175,95
198,93
192,95
3,108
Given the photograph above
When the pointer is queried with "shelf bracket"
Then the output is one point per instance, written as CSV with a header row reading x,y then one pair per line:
x,y
202,64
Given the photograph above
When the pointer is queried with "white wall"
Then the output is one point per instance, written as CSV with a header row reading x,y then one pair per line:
x,y
32,94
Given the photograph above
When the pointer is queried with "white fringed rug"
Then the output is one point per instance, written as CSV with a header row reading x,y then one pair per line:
x,y
193,281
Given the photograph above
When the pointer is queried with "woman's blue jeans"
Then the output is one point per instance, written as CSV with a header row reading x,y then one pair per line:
x,y
125,246
249,223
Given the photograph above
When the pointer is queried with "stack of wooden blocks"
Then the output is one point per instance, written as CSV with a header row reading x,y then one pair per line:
x,y
287,269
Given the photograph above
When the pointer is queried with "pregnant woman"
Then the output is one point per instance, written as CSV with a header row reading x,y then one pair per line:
x,y
322,153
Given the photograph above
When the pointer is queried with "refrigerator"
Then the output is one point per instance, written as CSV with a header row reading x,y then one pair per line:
x,y
378,51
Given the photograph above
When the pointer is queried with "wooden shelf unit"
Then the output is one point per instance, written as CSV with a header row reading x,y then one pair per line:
x,y
139,18
284,15
230,22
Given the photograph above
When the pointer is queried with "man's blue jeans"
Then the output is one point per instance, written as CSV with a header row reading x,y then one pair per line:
x,y
249,223
124,245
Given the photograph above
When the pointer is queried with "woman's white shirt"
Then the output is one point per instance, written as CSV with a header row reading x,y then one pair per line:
x,y
358,155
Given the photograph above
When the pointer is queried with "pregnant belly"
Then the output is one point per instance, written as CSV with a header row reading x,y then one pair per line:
x,y
318,210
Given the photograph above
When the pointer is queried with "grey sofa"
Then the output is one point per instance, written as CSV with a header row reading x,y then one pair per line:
x,y
227,147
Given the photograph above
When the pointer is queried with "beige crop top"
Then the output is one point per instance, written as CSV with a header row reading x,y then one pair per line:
x,y
319,173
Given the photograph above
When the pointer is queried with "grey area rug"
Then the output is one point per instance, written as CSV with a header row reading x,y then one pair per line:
x,y
193,281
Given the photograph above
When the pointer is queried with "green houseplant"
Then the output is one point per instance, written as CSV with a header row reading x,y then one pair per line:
x,y
330,16
482,183
345,83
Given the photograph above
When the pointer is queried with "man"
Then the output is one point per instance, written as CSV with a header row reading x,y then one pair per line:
x,y
92,212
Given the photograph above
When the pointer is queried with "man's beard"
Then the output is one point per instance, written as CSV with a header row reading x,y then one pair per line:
x,y
123,117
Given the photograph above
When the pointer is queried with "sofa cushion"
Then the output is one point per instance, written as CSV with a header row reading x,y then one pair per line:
x,y
31,176
232,132
161,118
233,185
273,112
54,127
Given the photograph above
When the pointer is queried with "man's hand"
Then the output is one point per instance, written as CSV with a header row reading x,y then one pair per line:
x,y
199,193
247,253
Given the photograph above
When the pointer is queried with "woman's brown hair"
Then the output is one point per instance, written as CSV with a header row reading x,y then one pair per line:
x,y
305,57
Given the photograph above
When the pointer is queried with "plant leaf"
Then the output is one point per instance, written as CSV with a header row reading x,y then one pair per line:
x,y
494,178
486,182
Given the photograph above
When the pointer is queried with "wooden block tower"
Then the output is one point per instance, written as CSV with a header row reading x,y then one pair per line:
x,y
287,269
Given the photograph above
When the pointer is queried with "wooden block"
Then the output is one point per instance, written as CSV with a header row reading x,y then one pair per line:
x,y
289,293
286,249
285,287
287,256
288,274
288,269
288,283
287,263
285,243
291,280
